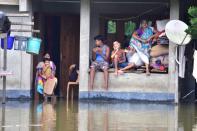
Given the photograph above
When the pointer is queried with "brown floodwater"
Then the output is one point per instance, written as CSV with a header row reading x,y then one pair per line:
x,y
97,116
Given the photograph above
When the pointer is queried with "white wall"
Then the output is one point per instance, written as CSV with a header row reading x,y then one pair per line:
x,y
9,2
19,62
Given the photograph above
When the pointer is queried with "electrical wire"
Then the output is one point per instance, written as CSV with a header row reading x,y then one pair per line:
x,y
134,17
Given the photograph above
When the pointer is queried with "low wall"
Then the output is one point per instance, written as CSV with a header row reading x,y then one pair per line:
x,y
131,86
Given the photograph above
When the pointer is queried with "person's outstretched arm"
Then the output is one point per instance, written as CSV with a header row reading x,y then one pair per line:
x,y
135,35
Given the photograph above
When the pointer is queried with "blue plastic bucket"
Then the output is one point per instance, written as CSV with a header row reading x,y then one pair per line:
x,y
10,41
33,45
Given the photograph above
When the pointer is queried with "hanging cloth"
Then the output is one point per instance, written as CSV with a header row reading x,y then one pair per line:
x,y
195,65
182,61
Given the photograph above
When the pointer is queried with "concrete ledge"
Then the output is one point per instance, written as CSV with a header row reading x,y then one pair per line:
x,y
127,96
132,82
17,94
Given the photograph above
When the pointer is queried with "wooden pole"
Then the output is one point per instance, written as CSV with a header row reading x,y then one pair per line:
x,y
4,69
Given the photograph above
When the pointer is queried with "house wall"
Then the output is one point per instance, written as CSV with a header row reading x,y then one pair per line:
x,y
20,63
173,67
9,2
131,86
84,44
19,84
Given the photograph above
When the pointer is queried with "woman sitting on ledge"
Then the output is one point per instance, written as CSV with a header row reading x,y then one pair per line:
x,y
141,42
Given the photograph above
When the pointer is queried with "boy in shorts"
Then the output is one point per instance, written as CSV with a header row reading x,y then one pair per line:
x,y
100,55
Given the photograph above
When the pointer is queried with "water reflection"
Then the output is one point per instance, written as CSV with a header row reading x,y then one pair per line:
x,y
15,116
187,117
96,116
127,117
48,116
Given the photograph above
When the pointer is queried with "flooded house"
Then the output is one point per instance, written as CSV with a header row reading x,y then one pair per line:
x,y
67,29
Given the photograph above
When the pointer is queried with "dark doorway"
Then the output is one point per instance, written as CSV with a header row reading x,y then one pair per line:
x,y
60,35
52,43
69,47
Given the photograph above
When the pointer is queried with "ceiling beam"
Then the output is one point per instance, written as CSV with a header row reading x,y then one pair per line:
x,y
62,1
110,2
127,2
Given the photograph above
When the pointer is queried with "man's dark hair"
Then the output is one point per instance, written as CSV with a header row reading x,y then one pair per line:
x,y
100,37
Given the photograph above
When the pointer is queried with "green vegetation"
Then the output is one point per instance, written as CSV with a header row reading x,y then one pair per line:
x,y
111,27
192,30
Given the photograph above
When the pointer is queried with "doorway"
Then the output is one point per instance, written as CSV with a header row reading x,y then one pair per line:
x,y
69,47
60,38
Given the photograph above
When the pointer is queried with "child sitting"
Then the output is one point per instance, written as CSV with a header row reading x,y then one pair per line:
x,y
133,60
118,57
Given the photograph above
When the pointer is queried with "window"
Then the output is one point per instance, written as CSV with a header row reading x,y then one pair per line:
x,y
111,27
129,28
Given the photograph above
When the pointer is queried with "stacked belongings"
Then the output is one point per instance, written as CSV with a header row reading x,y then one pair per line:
x,y
159,52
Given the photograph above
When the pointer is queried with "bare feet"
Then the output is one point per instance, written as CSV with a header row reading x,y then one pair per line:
x,y
90,87
120,72
106,87
116,72
147,73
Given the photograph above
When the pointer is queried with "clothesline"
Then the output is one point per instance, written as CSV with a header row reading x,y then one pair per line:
x,y
134,17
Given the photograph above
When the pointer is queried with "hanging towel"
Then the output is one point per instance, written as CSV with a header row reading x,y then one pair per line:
x,y
195,65
182,61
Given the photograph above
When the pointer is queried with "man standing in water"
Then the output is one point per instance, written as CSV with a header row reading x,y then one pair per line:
x,y
100,56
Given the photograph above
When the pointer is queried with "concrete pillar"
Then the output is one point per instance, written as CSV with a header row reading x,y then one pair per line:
x,y
24,5
84,44
94,27
173,68
176,118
